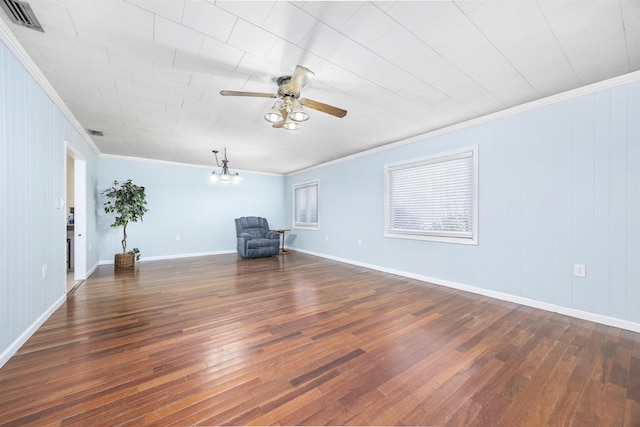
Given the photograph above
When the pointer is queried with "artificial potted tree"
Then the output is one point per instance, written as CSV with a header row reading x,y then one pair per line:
x,y
129,202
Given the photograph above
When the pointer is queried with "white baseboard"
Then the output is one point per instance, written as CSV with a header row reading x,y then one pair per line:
x,y
579,314
585,315
92,269
19,342
177,256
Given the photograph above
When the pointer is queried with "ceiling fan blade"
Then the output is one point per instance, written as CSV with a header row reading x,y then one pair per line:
x,y
280,124
254,94
299,79
325,108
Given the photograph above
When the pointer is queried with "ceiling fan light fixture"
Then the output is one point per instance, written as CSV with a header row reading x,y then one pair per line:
x,y
273,115
291,125
298,114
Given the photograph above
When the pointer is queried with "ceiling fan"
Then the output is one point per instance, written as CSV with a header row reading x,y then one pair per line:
x,y
287,111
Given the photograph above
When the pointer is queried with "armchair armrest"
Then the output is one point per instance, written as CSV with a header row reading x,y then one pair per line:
x,y
272,235
245,236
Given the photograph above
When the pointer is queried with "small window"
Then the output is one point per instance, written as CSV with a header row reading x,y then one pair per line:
x,y
305,205
433,198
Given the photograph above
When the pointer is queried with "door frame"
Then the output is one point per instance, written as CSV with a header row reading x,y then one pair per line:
x,y
79,204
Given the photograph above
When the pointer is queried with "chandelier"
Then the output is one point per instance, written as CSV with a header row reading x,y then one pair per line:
x,y
224,176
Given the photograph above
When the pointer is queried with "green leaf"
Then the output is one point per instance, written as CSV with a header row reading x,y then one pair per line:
x,y
129,202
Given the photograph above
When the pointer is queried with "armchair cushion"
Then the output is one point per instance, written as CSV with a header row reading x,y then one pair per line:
x,y
255,239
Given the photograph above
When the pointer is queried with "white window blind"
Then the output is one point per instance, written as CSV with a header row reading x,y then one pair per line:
x,y
434,197
305,205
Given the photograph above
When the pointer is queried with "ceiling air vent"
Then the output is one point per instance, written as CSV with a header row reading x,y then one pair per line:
x,y
95,132
21,13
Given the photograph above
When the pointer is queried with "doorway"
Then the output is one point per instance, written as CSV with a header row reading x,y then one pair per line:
x,y
76,224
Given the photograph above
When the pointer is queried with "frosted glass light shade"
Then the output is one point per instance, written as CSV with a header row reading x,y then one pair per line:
x,y
273,115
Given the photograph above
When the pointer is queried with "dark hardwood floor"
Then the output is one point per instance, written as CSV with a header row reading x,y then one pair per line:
x,y
300,340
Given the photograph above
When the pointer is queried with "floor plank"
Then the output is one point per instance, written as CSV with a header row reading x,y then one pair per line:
x,y
301,340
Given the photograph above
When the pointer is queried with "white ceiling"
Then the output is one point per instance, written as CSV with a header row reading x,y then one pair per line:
x,y
148,73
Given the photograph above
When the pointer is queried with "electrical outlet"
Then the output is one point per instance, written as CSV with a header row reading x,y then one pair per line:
x,y
177,237
579,270
44,271
326,238
359,242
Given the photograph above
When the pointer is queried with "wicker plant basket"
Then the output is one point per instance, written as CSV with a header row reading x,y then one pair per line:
x,y
124,260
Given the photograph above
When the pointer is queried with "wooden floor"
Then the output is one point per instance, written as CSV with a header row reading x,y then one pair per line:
x,y
300,340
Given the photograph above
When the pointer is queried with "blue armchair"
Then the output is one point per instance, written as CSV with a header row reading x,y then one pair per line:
x,y
255,239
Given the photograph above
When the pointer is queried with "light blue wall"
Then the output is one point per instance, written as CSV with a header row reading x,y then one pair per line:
x,y
558,185
183,202
32,183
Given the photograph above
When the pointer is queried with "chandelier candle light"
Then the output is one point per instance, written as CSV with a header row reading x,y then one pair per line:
x,y
224,176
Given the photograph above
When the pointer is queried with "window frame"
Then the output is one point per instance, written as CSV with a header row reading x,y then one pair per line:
x,y
306,225
430,160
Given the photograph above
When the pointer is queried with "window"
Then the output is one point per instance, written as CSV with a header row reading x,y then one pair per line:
x,y
434,198
305,205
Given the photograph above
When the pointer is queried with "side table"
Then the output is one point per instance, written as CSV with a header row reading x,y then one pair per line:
x,y
282,231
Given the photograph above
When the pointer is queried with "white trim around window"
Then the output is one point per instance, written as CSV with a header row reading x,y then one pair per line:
x,y
306,198
434,198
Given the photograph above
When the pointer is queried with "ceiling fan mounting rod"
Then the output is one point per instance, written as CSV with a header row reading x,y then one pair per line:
x,y
283,88
283,80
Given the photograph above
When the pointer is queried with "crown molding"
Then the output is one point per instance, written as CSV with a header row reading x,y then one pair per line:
x,y
172,163
9,39
14,46
538,103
